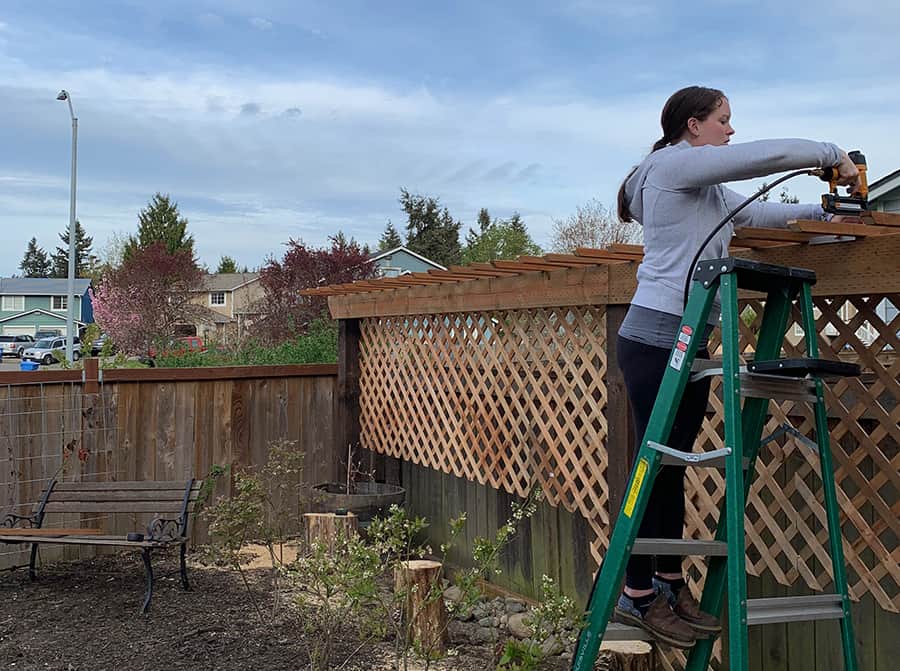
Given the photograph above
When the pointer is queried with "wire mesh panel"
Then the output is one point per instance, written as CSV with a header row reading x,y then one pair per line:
x,y
51,431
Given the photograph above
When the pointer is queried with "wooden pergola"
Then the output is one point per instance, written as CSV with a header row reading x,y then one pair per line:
x,y
504,374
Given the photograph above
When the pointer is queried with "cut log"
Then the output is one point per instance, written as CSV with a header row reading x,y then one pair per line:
x,y
326,528
626,656
424,610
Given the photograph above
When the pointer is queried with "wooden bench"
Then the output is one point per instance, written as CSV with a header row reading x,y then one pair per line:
x,y
157,498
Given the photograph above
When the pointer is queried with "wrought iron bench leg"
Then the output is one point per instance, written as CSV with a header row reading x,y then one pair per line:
x,y
184,578
32,574
145,553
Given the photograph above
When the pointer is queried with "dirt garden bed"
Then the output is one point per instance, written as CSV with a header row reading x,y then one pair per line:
x,y
85,615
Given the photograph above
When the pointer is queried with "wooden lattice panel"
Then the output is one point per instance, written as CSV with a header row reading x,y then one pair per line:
x,y
786,532
515,398
511,399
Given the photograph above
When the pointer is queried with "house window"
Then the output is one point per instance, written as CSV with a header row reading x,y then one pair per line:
x,y
59,303
217,298
13,303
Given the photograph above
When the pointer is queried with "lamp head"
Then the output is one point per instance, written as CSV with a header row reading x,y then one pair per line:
x,y
63,95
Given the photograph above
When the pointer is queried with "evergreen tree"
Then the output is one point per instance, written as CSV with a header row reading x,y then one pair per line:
x,y
84,260
431,231
35,263
227,265
390,239
484,219
160,221
501,240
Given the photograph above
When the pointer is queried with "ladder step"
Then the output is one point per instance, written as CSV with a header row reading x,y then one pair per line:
x,y
623,632
761,385
804,367
778,387
685,547
795,609
717,461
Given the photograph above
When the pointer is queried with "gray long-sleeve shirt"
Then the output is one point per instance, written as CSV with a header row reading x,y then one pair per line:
x,y
676,193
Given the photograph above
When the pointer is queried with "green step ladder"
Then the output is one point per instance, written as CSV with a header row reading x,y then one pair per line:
x,y
768,377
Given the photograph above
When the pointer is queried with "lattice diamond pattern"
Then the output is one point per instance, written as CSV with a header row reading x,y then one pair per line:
x,y
786,530
511,399
516,397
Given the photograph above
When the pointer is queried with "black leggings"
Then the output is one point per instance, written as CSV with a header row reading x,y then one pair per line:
x,y
642,367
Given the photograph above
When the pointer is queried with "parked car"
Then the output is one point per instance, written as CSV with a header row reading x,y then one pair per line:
x,y
42,351
97,345
178,346
53,333
14,345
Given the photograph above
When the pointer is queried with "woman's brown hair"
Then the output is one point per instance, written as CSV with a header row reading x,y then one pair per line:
x,y
696,102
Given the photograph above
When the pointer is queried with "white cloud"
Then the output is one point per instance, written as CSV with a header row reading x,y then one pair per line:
x,y
260,23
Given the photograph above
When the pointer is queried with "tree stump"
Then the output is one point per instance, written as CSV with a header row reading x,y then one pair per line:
x,y
425,612
326,528
626,656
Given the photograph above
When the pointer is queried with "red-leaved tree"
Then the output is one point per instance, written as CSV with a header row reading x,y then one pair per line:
x,y
142,301
284,313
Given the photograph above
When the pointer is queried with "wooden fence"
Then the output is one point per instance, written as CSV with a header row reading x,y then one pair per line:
x,y
503,375
162,424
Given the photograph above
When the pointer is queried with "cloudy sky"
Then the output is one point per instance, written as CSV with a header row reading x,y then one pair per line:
x,y
277,119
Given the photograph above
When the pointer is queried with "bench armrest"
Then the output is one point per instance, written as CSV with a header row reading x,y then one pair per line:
x,y
11,520
165,529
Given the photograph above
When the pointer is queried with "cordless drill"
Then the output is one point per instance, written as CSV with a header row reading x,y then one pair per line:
x,y
853,204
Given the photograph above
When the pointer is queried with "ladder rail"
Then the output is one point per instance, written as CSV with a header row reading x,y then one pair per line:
x,y
643,474
830,495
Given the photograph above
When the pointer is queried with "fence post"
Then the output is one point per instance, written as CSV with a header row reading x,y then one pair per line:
x,y
346,411
620,440
91,377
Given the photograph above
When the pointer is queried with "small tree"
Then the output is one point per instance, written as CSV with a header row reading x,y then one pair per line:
x,y
161,221
499,240
84,260
431,231
592,225
141,301
35,263
284,312
227,265
390,239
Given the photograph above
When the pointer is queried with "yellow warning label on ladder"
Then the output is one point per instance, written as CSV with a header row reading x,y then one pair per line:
x,y
636,483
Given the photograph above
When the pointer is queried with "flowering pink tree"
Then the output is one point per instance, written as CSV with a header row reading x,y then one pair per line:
x,y
142,301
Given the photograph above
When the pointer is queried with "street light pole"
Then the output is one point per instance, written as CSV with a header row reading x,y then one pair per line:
x,y
70,298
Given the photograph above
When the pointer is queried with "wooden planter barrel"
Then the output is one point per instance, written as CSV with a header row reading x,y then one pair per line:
x,y
366,499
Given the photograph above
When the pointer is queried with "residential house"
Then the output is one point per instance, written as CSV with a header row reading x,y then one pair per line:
x,y
884,194
402,261
32,304
228,300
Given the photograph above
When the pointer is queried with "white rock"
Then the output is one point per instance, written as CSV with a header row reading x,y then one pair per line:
x,y
519,625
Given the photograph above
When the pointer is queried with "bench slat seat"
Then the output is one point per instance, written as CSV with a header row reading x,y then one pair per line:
x,y
113,507
92,540
124,485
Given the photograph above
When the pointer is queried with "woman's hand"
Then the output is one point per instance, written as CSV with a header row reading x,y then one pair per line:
x,y
848,174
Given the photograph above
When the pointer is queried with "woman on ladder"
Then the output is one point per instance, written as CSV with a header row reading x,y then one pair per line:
x,y
677,195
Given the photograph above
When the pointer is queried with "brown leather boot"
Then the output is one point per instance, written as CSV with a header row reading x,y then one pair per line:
x,y
664,625
687,608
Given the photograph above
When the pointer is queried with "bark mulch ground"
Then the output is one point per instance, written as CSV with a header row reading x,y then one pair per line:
x,y
85,615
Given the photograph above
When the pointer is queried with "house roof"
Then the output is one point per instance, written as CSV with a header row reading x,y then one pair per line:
x,y
401,248
40,286
227,281
882,186
51,315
